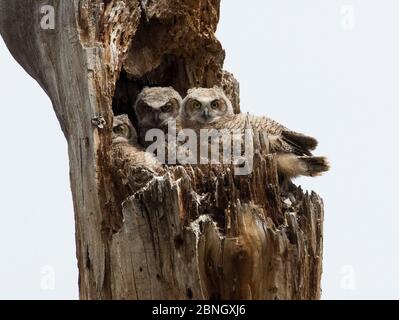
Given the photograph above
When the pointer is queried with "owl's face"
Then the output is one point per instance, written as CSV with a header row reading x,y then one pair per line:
x,y
205,106
123,131
155,107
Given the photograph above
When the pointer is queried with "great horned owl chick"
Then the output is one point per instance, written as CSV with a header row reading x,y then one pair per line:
x,y
211,109
123,131
155,108
127,150
204,106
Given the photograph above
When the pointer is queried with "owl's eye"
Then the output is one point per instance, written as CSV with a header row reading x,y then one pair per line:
x,y
196,105
118,129
215,104
167,108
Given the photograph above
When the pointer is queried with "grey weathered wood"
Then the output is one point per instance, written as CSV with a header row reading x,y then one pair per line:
x,y
190,232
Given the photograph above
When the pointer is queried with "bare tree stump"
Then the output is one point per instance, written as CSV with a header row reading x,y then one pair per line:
x,y
190,233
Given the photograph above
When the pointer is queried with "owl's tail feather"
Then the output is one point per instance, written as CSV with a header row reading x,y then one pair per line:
x,y
292,166
301,141
316,166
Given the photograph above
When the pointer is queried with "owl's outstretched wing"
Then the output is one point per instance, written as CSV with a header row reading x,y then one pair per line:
x,y
281,138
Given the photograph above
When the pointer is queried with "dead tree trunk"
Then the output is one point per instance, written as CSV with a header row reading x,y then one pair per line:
x,y
192,233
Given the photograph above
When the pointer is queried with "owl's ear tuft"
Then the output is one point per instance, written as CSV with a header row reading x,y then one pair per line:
x,y
218,88
191,90
143,91
123,117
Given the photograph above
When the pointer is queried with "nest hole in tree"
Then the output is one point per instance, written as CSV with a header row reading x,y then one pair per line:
x,y
128,86
150,62
161,54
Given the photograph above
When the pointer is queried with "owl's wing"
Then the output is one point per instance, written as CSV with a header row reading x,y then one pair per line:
x,y
301,143
281,138
279,145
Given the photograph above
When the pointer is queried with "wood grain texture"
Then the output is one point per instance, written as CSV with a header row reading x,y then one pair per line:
x,y
183,233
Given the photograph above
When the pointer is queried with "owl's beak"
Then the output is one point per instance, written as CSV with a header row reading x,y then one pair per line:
x,y
205,114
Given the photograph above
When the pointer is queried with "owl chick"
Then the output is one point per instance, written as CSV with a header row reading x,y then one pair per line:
x,y
203,107
211,109
123,131
126,148
156,108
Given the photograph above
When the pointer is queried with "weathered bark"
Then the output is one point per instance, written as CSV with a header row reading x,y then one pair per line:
x,y
191,233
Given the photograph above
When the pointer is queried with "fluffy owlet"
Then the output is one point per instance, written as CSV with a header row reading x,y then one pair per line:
x,y
155,108
123,131
127,151
211,109
203,107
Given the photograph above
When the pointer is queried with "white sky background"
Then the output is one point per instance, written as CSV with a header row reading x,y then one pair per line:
x,y
305,64
37,237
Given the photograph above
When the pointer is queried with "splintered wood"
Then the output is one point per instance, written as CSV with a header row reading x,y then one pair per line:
x,y
204,233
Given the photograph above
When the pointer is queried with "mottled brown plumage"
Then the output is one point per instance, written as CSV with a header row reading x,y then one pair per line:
x,y
124,139
281,139
293,149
